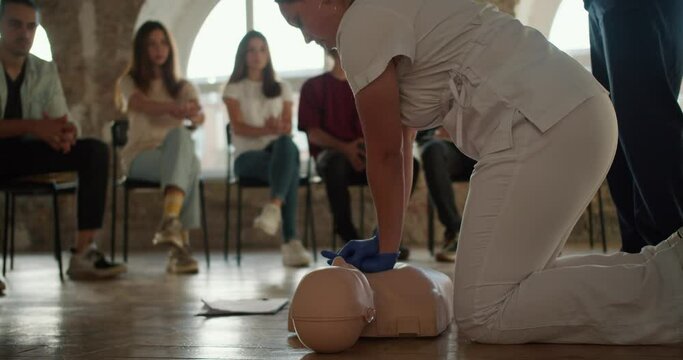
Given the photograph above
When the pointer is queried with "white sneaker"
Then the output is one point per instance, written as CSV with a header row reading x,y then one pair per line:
x,y
294,254
92,265
269,219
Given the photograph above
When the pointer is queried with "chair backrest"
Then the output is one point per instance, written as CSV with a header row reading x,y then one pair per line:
x,y
228,137
119,138
119,133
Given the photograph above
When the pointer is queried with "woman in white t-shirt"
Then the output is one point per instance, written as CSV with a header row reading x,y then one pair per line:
x,y
544,134
160,148
260,109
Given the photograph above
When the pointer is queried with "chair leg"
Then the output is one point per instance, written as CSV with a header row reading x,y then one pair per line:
x,y
306,219
125,223
591,241
112,240
12,222
362,211
334,234
602,222
6,234
58,240
205,228
430,226
226,234
238,232
311,222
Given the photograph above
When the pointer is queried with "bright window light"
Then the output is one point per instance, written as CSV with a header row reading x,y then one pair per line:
x,y
289,51
570,30
41,45
214,49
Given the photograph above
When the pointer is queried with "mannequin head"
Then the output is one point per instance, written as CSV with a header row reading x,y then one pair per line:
x,y
331,307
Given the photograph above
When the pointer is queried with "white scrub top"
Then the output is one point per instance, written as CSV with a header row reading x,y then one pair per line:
x,y
464,66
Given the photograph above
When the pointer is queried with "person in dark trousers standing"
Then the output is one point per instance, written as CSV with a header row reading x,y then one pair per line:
x,y
637,54
37,135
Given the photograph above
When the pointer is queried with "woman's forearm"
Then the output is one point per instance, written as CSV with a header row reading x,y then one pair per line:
x,y
250,131
388,195
141,103
13,128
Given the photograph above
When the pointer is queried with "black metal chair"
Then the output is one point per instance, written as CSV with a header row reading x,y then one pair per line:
x,y
247,183
119,136
46,184
430,214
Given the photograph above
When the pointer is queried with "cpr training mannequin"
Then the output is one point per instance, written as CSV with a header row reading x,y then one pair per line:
x,y
332,307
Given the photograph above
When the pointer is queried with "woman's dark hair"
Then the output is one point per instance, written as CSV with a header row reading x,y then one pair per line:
x,y
271,88
141,68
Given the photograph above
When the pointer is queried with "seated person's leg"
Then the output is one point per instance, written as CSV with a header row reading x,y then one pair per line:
x,y
90,159
284,183
92,164
337,173
176,167
436,156
256,165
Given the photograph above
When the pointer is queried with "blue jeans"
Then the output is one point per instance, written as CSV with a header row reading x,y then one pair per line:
x,y
173,163
278,165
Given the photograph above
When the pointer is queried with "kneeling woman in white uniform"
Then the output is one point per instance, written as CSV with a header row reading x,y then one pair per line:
x,y
544,134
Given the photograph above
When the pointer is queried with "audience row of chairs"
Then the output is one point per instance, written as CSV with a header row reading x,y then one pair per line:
x,y
64,183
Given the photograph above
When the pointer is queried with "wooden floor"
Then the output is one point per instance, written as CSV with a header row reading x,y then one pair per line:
x,y
148,314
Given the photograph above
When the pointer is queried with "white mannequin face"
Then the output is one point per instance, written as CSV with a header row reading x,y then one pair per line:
x,y
318,20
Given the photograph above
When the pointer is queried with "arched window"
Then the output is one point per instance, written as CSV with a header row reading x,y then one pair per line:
x,y
212,59
570,30
292,57
213,52
41,45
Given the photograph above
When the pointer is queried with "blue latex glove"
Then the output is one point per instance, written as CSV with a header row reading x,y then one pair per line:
x,y
364,255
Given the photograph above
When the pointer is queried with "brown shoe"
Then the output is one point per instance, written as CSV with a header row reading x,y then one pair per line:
x,y
447,252
170,233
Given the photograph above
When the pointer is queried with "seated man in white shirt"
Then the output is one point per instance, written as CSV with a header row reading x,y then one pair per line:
x,y
36,136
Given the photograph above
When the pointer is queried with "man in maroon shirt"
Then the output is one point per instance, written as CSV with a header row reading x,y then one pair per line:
x,y
327,113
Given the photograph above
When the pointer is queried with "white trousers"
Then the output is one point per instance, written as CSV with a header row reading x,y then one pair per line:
x,y
510,285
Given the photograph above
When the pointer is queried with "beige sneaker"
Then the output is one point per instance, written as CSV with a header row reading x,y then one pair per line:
x,y
180,261
93,266
294,254
447,252
170,233
269,219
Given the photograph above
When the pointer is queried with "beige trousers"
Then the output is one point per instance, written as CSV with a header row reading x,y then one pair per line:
x,y
510,285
